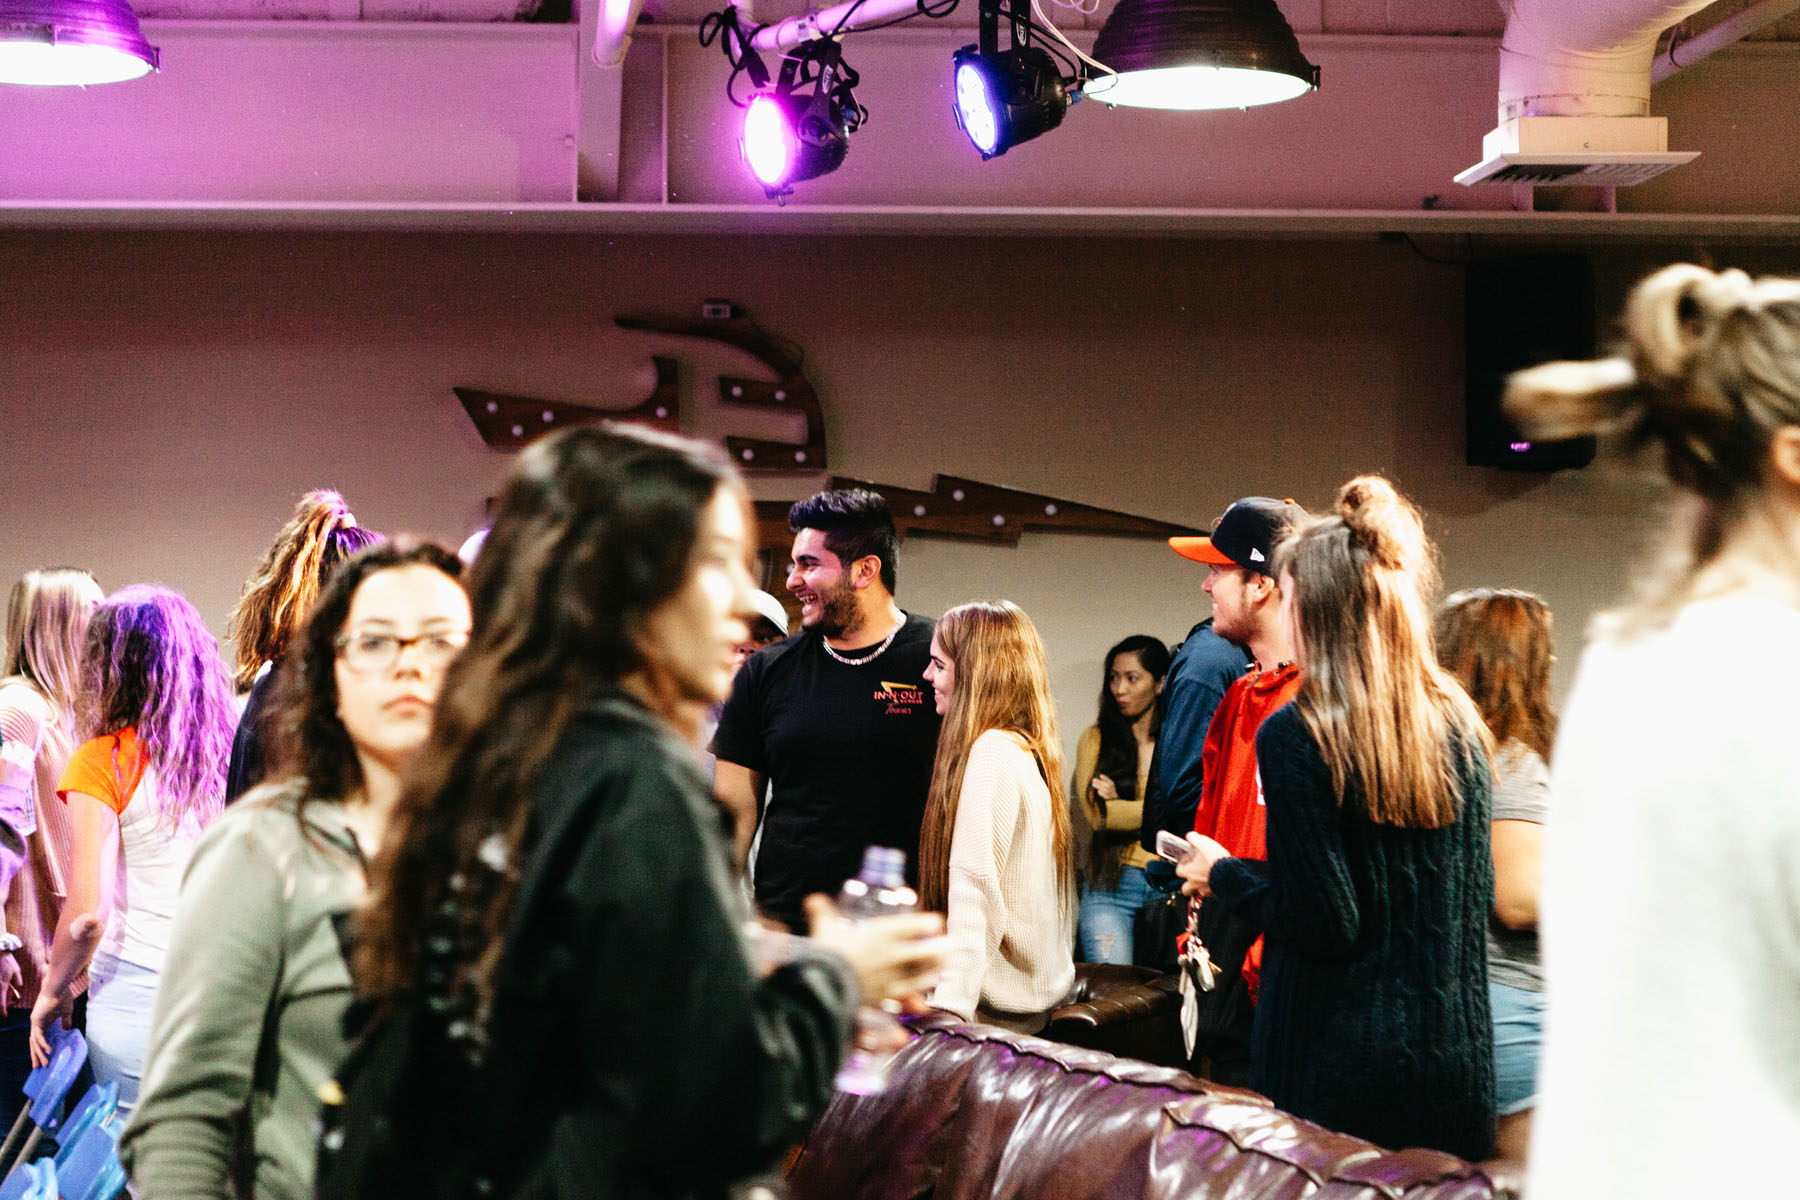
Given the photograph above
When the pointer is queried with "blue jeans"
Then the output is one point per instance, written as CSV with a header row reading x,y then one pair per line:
x,y
1518,1032
1105,922
15,1063
120,999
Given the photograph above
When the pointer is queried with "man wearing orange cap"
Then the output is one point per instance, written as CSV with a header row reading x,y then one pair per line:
x,y
1246,611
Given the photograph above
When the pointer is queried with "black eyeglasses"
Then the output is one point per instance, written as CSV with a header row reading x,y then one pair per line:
x,y
371,652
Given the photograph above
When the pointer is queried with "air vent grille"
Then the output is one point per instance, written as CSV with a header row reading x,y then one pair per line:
x,y
1575,170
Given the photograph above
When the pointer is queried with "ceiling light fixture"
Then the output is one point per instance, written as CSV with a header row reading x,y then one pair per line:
x,y
78,42
1004,97
1199,54
791,136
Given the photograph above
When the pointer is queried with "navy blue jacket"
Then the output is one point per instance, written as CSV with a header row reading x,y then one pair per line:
x,y
1204,666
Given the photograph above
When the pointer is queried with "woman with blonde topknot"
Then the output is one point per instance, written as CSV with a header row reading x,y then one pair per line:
x,y
1672,859
1372,1013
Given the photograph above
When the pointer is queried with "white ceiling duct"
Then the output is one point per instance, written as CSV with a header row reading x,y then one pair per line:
x,y
1575,94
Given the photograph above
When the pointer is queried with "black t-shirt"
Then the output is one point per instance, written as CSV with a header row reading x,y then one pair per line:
x,y
847,752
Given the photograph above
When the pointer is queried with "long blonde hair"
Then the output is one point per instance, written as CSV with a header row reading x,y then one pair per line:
x,y
46,620
1709,372
1387,718
321,534
1002,682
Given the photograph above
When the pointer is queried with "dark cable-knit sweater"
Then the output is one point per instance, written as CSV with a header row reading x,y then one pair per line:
x,y
1372,1014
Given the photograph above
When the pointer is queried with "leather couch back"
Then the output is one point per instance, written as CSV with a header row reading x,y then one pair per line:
x,y
976,1113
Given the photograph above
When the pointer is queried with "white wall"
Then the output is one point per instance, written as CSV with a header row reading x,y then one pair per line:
x,y
166,397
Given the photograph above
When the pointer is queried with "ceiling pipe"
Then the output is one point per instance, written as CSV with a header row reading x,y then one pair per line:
x,y
612,36
1582,58
783,36
1685,52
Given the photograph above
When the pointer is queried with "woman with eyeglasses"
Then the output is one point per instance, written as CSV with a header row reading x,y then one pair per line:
x,y
139,791
248,1020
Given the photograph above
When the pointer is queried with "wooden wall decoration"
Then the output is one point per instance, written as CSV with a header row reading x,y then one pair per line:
x,y
514,422
792,391
954,507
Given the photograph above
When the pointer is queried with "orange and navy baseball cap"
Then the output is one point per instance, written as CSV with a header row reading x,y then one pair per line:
x,y
1245,535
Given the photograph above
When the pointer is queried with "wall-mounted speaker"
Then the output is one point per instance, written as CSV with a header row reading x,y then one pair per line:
x,y
1517,313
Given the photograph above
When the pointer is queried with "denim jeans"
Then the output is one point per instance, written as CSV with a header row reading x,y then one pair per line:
x,y
15,1062
1105,921
1518,1032
120,999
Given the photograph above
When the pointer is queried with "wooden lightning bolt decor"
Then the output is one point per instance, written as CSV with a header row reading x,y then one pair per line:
x,y
792,391
514,422
963,508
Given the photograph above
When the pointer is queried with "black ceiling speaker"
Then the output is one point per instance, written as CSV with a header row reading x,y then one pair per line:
x,y
1517,313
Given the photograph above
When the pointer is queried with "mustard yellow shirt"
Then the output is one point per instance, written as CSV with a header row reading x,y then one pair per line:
x,y
1122,816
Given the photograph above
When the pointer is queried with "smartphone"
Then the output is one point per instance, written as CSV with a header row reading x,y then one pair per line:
x,y
1172,847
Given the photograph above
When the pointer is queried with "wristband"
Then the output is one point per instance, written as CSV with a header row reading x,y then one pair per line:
x,y
10,942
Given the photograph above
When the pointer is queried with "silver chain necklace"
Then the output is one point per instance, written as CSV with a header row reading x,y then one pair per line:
x,y
871,656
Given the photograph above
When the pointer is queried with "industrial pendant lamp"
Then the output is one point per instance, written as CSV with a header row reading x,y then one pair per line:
x,y
72,42
1193,54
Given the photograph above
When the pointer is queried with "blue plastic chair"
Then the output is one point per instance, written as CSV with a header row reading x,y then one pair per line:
x,y
93,1171
99,1104
33,1181
45,1089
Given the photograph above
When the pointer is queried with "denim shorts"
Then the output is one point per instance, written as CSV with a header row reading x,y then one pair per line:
x,y
1518,1032
121,996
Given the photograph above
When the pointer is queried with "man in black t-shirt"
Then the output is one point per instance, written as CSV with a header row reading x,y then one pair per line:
x,y
835,720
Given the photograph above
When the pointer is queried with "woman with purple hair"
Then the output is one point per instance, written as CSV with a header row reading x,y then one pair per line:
x,y
158,718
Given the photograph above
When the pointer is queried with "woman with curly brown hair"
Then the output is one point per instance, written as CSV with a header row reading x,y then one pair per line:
x,y
140,790
1672,858
320,535
250,1009
1372,1012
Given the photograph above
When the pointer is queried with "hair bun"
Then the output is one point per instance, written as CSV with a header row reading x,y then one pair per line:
x,y
1382,524
1674,315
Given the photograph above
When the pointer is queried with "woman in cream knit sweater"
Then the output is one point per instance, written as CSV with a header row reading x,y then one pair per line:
x,y
995,853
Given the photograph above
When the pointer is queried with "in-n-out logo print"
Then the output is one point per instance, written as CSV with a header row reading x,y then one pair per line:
x,y
901,698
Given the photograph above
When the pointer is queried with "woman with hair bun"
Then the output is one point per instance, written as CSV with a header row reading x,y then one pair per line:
x,y
994,852
1372,1011
1497,642
320,535
1672,863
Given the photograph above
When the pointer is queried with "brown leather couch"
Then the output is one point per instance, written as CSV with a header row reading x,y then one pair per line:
x,y
1133,1012
974,1113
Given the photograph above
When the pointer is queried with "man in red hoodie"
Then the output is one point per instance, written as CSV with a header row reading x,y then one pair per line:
x,y
1246,611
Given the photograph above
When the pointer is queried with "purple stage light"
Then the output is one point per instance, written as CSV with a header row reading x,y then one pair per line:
x,y
790,137
768,141
1518,447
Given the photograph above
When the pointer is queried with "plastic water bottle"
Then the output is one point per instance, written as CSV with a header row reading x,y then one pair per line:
x,y
879,889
